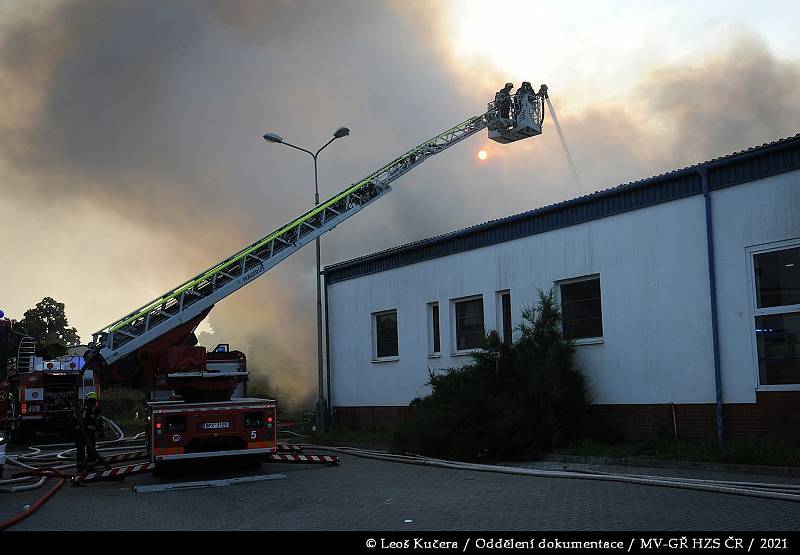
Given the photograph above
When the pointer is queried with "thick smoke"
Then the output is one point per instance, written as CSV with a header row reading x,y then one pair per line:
x,y
132,153
137,126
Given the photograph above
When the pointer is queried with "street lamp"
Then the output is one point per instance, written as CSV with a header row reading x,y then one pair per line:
x,y
322,404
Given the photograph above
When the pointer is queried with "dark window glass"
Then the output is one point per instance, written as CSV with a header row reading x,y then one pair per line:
x,y
386,331
254,420
437,344
469,324
506,301
777,277
778,340
176,423
580,305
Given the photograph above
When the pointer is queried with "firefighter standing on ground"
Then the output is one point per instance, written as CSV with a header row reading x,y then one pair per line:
x,y
93,423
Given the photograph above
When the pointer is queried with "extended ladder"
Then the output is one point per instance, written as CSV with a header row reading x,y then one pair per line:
x,y
188,300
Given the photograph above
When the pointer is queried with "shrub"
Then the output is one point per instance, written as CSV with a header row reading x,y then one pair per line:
x,y
516,400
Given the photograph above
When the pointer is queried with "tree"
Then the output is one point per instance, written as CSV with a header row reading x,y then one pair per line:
x,y
47,324
511,401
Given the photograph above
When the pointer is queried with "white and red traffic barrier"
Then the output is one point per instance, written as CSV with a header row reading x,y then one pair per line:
x,y
116,472
308,459
289,448
131,456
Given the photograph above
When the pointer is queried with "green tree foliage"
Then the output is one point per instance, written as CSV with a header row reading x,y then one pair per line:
x,y
511,401
47,324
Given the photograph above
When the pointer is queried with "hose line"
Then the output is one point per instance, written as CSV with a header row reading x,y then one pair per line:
x,y
783,492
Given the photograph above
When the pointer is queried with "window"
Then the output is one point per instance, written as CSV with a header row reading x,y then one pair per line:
x,y
434,335
469,324
385,334
777,278
505,317
581,310
777,315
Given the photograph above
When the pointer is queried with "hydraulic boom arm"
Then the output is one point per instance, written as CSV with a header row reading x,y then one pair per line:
x,y
188,303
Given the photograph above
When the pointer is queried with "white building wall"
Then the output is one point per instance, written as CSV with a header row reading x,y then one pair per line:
x,y
655,300
761,213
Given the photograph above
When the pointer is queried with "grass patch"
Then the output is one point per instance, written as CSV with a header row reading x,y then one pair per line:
x,y
121,404
742,451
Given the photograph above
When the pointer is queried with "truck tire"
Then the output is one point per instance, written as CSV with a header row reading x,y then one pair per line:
x,y
23,434
253,461
163,469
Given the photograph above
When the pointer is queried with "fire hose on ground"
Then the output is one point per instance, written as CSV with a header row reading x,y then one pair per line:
x,y
39,465
58,457
765,490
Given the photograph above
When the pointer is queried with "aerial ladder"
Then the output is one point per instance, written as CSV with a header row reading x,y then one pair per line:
x,y
182,308
153,347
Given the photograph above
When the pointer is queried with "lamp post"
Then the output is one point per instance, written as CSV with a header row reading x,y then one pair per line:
x,y
322,404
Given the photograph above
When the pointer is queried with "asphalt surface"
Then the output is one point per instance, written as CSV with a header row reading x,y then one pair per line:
x,y
364,494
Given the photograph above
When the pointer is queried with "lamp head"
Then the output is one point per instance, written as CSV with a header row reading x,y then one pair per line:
x,y
273,138
341,132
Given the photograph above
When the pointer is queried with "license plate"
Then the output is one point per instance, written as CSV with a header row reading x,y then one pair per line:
x,y
215,425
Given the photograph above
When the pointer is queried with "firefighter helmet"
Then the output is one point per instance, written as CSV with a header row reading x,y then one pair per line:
x,y
91,396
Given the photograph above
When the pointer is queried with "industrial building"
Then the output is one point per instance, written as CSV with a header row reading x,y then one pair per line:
x,y
681,293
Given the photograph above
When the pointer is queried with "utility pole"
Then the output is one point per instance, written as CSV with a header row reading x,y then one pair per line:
x,y
322,403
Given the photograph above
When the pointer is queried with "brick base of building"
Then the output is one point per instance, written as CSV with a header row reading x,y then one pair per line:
x,y
360,418
774,415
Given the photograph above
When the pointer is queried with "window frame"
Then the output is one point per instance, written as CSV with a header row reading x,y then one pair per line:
x,y
500,325
432,324
374,323
569,281
750,253
454,350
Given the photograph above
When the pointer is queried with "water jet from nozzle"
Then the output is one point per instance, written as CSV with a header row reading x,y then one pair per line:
x,y
564,146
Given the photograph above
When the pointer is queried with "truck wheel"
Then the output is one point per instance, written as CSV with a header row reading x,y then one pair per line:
x,y
23,435
253,461
162,469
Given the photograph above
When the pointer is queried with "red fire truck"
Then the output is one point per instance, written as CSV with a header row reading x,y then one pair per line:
x,y
38,394
201,420
46,392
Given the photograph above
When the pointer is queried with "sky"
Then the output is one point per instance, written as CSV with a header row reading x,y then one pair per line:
x,y
131,155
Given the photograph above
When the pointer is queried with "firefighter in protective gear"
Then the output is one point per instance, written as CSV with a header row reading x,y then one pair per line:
x,y
502,99
93,423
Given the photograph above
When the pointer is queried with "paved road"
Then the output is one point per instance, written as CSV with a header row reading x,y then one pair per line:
x,y
366,494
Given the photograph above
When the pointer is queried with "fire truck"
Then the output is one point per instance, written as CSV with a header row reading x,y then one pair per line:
x,y
38,393
45,395
155,348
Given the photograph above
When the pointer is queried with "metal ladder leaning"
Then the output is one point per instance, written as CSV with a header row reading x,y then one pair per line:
x,y
26,354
